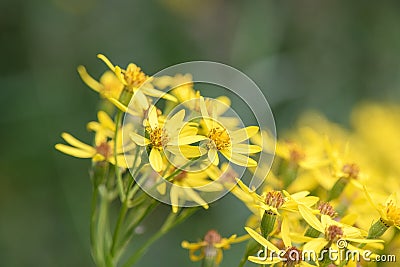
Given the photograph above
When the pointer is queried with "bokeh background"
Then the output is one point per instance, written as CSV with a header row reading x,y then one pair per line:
x,y
323,55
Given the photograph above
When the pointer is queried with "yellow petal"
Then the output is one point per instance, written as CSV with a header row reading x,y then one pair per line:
x,y
139,99
156,93
92,83
309,217
118,104
162,188
105,120
75,142
192,195
239,159
107,61
75,152
138,139
174,194
186,140
243,134
285,232
213,156
156,160
174,123
152,117
315,245
267,261
257,237
245,149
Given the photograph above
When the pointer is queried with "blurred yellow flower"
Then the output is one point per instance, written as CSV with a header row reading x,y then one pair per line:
x,y
136,80
211,246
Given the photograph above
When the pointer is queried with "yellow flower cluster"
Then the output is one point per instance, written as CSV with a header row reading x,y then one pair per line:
x,y
328,185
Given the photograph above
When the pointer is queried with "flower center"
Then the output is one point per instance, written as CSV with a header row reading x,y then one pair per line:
x,y
134,76
212,237
158,137
274,199
333,233
293,257
327,209
351,170
182,175
392,213
104,149
219,138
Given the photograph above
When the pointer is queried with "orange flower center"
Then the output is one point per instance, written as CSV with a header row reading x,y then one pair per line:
x,y
134,76
351,170
219,138
333,233
104,149
274,199
158,137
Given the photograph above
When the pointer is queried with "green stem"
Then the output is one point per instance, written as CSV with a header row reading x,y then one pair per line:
x,y
101,226
118,226
117,170
171,221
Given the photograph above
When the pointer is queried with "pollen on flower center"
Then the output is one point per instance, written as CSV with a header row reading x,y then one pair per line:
x,y
327,209
104,149
158,137
274,199
351,170
333,233
134,76
292,256
392,213
219,138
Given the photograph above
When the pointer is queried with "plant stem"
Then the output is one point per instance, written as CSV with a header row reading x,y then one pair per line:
x,y
117,170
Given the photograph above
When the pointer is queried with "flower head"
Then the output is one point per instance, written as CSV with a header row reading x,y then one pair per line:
x,y
211,246
228,143
169,136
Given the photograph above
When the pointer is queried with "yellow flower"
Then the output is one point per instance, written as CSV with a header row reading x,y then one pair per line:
x,y
108,86
275,201
389,212
291,256
228,143
135,80
104,127
211,246
168,137
103,150
185,186
332,232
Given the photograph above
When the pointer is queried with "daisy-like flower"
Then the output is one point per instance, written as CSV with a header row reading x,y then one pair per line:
x,y
275,201
103,150
291,256
186,185
389,212
210,248
172,136
332,231
135,80
228,143
104,127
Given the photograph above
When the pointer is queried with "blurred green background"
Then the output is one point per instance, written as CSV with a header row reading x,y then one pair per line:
x,y
325,55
